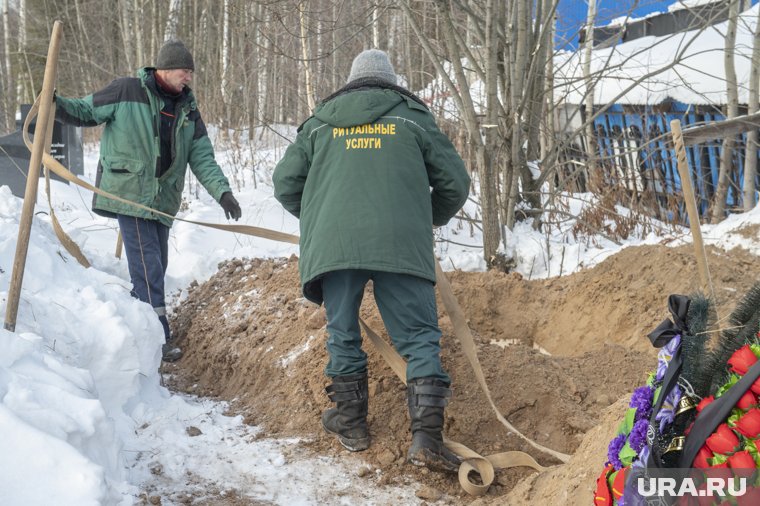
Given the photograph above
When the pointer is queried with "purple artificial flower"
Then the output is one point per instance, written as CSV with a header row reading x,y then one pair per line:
x,y
638,436
641,461
642,401
665,354
621,501
668,411
614,450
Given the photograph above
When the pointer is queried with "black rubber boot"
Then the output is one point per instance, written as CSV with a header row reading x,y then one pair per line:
x,y
348,420
170,352
427,398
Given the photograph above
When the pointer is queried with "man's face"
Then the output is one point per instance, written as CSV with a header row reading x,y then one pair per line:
x,y
177,79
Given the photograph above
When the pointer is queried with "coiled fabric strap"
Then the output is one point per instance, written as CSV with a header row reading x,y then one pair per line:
x,y
473,461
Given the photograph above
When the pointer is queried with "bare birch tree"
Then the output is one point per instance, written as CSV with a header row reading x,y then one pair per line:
x,y
125,23
172,20
588,45
732,109
305,55
750,151
27,84
548,124
225,51
7,93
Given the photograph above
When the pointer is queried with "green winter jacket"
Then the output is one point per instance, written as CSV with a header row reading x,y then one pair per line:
x,y
130,147
359,177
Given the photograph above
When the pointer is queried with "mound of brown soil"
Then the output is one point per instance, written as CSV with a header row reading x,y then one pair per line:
x,y
250,337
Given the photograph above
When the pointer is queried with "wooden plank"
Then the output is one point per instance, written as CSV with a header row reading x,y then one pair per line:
x,y
691,208
721,129
33,177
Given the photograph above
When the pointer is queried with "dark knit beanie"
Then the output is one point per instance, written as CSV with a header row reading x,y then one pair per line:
x,y
372,63
174,55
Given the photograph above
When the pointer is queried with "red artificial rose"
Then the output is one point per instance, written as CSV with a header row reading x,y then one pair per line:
x,y
748,400
602,495
723,440
700,461
755,387
704,402
743,462
749,423
742,360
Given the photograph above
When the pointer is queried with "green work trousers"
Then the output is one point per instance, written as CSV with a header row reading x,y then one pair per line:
x,y
407,306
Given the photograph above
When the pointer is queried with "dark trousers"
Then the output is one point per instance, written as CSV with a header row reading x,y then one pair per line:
x,y
146,243
407,306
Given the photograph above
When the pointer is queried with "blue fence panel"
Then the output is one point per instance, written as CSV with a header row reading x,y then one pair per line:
x,y
636,153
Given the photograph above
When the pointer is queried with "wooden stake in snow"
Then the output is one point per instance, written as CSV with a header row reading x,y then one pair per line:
x,y
32,177
691,207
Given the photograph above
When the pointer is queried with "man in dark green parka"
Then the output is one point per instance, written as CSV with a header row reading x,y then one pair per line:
x,y
359,178
153,131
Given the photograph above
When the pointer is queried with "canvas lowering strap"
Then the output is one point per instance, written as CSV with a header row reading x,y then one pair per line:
x,y
63,237
473,462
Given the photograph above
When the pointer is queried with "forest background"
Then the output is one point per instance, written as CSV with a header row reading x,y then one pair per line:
x,y
498,75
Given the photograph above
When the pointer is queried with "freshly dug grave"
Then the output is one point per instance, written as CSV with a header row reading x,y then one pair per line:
x,y
251,338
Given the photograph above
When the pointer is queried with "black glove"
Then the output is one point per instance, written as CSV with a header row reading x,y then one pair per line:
x,y
230,206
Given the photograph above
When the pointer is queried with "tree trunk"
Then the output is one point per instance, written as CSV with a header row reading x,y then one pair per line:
x,y
375,27
519,45
488,154
305,57
591,147
8,95
225,52
137,26
126,27
726,153
27,85
461,94
548,126
750,152
172,20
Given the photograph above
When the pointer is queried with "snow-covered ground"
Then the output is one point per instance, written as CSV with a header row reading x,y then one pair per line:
x,y
83,415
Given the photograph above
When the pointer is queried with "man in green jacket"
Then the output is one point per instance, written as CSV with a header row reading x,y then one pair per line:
x,y
153,130
359,178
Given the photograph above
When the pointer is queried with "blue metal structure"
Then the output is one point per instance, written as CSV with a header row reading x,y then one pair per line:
x,y
637,154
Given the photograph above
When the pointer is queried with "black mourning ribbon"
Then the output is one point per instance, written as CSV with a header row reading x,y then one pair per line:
x,y
668,329
659,337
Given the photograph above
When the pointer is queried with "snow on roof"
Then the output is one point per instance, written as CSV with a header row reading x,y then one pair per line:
x,y
687,67
677,6
688,4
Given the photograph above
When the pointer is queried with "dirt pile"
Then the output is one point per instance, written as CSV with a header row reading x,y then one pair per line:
x,y
251,338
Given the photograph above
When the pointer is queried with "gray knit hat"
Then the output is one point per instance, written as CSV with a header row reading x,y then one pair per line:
x,y
372,63
174,55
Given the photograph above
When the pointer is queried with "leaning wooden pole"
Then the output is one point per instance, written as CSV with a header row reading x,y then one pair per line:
x,y
119,245
691,207
33,177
